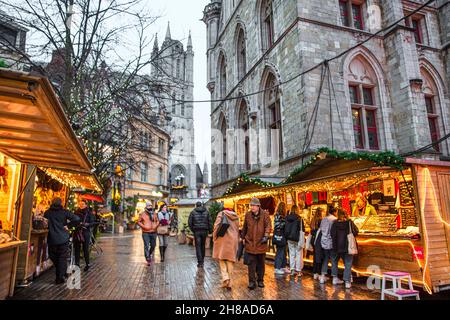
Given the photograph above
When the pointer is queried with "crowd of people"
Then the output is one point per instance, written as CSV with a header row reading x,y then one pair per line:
x,y
328,240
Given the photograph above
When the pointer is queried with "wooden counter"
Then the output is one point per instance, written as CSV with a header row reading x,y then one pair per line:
x,y
8,260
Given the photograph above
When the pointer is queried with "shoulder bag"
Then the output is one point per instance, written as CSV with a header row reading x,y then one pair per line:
x,y
352,245
223,226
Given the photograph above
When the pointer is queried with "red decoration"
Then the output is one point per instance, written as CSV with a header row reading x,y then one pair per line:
x,y
2,171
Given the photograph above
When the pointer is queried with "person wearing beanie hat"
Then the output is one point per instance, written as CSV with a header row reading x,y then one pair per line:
x,y
165,217
149,224
256,230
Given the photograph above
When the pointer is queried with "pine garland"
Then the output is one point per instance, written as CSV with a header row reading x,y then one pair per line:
x,y
381,159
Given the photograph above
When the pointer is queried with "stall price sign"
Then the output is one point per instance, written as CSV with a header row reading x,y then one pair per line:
x,y
419,253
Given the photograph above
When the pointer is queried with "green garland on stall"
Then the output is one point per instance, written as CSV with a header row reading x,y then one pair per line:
x,y
381,159
244,178
3,64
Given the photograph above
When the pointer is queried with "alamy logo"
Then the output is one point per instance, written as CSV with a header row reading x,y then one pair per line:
x,y
374,281
74,280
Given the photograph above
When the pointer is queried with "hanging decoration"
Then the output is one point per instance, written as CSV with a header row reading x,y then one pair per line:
x,y
244,178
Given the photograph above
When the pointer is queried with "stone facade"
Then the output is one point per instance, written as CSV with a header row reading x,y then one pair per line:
x,y
399,73
12,37
173,67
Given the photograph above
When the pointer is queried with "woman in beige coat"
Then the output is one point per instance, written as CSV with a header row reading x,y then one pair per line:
x,y
225,248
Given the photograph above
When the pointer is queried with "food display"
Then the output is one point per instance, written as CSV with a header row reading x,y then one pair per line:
x,y
380,223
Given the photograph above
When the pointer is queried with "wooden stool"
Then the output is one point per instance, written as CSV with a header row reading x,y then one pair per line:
x,y
397,291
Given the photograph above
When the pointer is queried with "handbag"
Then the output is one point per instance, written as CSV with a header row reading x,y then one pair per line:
x,y
278,238
309,246
240,250
223,226
162,230
352,245
301,240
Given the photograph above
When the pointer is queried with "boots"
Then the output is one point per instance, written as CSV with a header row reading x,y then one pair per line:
x,y
161,253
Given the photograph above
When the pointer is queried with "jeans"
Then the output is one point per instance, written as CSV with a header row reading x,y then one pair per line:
x,y
149,244
256,267
200,240
348,261
58,255
77,247
280,257
330,254
226,269
163,240
295,256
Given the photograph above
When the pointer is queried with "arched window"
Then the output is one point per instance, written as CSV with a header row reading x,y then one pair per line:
x,y
432,104
243,136
267,29
364,100
222,76
272,111
178,175
241,54
223,131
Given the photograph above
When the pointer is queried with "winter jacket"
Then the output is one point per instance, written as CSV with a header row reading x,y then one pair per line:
x,y
148,222
339,232
225,248
318,251
325,230
88,218
279,223
200,220
57,218
293,225
254,230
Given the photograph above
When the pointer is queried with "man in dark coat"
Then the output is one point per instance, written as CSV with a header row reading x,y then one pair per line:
x,y
200,223
82,237
58,236
256,231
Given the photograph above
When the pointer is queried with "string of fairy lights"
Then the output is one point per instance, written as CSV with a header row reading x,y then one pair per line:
x,y
73,180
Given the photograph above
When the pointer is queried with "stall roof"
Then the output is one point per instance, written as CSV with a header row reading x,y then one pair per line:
x,y
190,202
34,129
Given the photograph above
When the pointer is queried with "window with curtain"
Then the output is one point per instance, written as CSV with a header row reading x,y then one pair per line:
x,y
144,171
352,13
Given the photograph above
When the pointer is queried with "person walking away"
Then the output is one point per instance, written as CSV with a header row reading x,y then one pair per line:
x,y
149,224
296,240
317,253
164,218
58,236
200,223
95,228
256,231
226,247
327,246
82,236
339,231
279,239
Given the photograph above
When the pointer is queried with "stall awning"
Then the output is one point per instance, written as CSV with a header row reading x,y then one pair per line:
x,y
34,129
93,197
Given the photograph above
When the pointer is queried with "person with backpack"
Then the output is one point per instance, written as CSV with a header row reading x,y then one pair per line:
x,y
339,235
200,223
256,231
326,243
295,236
149,224
164,218
226,246
279,239
315,242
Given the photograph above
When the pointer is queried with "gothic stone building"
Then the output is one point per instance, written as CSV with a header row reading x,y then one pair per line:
x,y
391,92
173,67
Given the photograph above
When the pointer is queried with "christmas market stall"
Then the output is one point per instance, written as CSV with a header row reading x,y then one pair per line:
x,y
401,207
40,158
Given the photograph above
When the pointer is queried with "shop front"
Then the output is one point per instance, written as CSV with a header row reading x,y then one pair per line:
x,y
40,158
400,208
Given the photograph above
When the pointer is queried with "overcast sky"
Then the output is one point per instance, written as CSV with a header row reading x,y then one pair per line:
x,y
183,16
